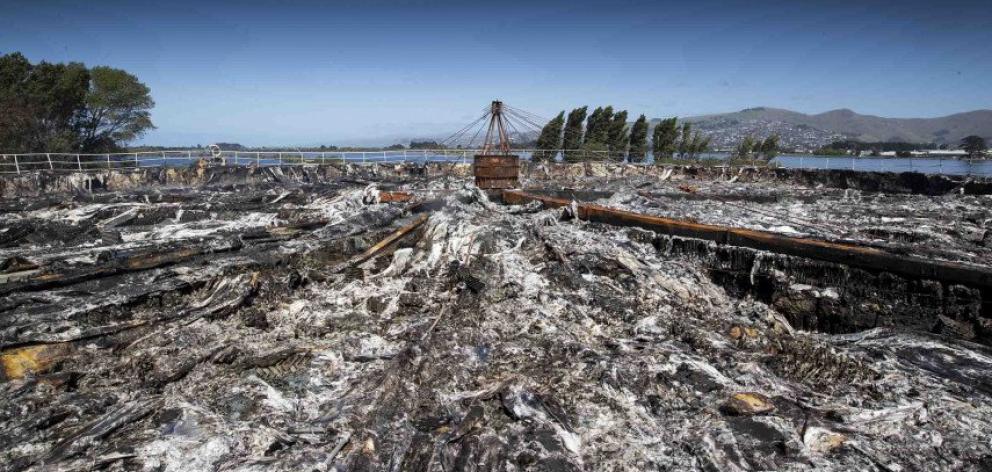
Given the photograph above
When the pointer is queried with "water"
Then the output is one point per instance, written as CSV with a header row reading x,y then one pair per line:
x,y
879,164
183,159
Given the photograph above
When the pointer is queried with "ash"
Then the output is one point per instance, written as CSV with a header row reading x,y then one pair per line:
x,y
227,327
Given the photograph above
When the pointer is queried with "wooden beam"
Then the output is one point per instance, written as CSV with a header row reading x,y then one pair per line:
x,y
852,255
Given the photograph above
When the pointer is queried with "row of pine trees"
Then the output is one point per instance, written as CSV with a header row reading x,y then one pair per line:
x,y
604,135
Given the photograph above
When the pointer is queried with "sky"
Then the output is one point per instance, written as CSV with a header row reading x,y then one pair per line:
x,y
374,72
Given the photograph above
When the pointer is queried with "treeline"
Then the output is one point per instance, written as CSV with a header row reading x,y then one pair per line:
x,y
604,134
851,146
754,148
48,107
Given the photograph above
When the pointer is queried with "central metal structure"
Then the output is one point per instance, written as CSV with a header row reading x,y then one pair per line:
x,y
495,168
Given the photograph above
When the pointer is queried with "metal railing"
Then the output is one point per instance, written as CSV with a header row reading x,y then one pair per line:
x,y
79,162
72,162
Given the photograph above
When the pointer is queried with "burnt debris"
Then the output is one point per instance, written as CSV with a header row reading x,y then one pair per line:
x,y
396,318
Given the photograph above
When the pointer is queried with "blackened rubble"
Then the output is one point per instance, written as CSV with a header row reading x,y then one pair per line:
x,y
204,322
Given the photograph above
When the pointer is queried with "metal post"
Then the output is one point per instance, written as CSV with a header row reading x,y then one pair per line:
x,y
363,157
78,163
323,158
280,159
258,159
49,156
108,161
17,166
236,156
137,164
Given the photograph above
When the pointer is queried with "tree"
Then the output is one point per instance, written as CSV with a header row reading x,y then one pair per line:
x,y
974,146
744,148
118,109
550,139
618,139
639,140
572,134
598,125
663,139
685,140
769,148
67,107
698,145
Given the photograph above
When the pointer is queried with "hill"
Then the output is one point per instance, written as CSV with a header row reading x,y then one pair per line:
x,y
801,130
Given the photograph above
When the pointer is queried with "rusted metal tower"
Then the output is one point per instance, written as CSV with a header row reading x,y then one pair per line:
x,y
495,168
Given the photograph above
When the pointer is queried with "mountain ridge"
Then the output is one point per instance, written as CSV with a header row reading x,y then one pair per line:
x,y
844,123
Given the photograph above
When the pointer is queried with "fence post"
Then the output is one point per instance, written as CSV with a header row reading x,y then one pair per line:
x,y
363,157
79,163
323,158
258,159
137,163
280,159
17,166
49,156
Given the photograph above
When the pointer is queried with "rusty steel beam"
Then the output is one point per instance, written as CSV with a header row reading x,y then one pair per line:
x,y
387,197
852,255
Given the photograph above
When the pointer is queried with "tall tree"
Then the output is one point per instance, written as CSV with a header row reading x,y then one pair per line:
x,y
685,140
550,139
769,147
118,109
572,134
974,146
639,140
745,148
663,139
598,126
697,145
66,107
618,138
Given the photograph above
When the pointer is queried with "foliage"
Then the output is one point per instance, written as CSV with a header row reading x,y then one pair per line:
x,y
598,125
550,139
117,109
617,134
685,140
974,145
425,145
395,147
745,148
663,139
67,107
594,151
572,134
639,140
698,145
769,148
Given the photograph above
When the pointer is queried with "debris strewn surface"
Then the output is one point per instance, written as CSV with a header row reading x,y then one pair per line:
x,y
232,327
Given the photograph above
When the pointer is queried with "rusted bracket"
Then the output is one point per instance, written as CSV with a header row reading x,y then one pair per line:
x,y
847,254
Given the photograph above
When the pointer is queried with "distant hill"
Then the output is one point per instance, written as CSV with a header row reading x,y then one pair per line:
x,y
812,130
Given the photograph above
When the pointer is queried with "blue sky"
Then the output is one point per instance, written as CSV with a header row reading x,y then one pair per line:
x,y
369,72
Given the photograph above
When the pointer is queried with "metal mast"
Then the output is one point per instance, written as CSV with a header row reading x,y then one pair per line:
x,y
497,141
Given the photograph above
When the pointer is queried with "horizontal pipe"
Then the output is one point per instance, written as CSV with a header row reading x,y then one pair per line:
x,y
862,257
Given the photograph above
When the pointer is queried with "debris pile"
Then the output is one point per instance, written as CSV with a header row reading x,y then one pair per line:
x,y
294,324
